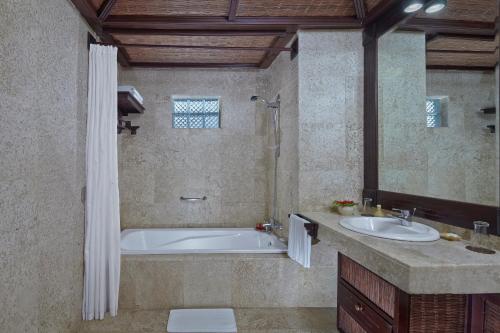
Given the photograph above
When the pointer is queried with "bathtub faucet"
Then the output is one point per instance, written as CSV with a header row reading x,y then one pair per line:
x,y
272,224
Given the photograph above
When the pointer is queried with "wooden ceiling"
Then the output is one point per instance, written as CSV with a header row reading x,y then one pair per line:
x,y
252,33
460,37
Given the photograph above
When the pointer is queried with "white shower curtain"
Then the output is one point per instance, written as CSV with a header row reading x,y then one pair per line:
x,y
102,220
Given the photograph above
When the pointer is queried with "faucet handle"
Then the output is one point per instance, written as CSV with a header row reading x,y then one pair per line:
x,y
406,213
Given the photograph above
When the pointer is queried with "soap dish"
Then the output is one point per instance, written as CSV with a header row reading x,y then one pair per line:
x,y
478,249
449,236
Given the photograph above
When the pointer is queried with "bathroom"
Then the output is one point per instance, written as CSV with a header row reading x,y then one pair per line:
x,y
317,110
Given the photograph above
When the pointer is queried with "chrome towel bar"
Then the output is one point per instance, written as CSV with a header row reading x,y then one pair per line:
x,y
194,199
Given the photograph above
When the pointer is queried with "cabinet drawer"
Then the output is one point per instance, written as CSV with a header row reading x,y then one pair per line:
x,y
355,315
376,289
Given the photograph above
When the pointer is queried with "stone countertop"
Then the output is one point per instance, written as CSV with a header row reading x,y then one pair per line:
x,y
438,267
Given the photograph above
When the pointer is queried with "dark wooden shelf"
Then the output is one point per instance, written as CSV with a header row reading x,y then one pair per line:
x,y
127,103
489,110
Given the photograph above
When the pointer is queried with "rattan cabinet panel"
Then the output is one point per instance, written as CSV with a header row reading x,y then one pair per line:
x,y
367,303
370,285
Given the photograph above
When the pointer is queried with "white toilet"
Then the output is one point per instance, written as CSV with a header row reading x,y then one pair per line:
x,y
201,321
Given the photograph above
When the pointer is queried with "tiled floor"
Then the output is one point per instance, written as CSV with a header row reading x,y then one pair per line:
x,y
250,320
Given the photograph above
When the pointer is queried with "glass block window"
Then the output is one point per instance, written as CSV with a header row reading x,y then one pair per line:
x,y
196,113
433,106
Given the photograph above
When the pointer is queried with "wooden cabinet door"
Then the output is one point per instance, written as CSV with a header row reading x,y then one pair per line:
x,y
483,313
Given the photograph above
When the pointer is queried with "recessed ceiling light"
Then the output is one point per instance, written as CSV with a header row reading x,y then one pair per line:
x,y
414,6
436,6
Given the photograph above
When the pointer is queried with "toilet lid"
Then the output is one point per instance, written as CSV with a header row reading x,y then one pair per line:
x,y
202,320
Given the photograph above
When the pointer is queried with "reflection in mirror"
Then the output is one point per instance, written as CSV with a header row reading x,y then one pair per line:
x,y
438,118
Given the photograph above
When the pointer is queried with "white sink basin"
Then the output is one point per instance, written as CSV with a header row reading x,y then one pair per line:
x,y
390,228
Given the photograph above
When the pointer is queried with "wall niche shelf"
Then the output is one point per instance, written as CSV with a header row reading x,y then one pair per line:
x,y
489,110
128,104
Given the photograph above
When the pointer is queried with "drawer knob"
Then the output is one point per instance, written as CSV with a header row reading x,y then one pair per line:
x,y
359,307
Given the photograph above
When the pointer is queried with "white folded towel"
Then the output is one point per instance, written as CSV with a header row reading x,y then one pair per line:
x,y
299,242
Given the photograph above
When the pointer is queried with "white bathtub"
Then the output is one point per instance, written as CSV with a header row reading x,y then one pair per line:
x,y
199,240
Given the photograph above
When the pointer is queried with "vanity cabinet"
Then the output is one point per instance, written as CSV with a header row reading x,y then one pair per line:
x,y
368,303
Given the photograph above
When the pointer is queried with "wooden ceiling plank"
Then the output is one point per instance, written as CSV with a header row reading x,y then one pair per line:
x,y
466,10
291,8
105,9
226,41
183,55
174,32
172,7
233,10
359,5
89,14
450,26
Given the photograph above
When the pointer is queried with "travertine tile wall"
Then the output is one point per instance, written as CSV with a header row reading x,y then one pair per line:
x,y
497,123
402,122
330,68
465,143
282,78
43,71
227,280
160,164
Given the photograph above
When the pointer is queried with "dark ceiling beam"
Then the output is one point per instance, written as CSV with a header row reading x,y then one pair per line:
x,y
450,26
280,42
430,37
481,38
192,65
105,10
462,68
174,32
89,14
221,22
379,10
460,52
359,5
207,47
233,9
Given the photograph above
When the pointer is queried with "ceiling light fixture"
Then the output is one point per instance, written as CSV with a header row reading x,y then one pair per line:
x,y
413,6
436,6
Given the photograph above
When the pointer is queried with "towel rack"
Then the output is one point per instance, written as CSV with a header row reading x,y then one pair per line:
x,y
194,199
311,227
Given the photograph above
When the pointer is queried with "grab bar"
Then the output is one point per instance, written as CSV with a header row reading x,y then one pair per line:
x,y
194,199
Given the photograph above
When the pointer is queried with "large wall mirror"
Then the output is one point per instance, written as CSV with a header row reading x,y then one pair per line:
x,y
431,113
437,117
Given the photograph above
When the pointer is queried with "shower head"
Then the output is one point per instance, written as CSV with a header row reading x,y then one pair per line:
x,y
258,98
261,99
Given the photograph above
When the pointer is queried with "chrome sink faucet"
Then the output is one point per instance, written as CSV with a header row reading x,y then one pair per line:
x,y
405,216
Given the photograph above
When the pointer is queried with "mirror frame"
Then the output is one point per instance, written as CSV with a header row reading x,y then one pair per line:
x,y
455,213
